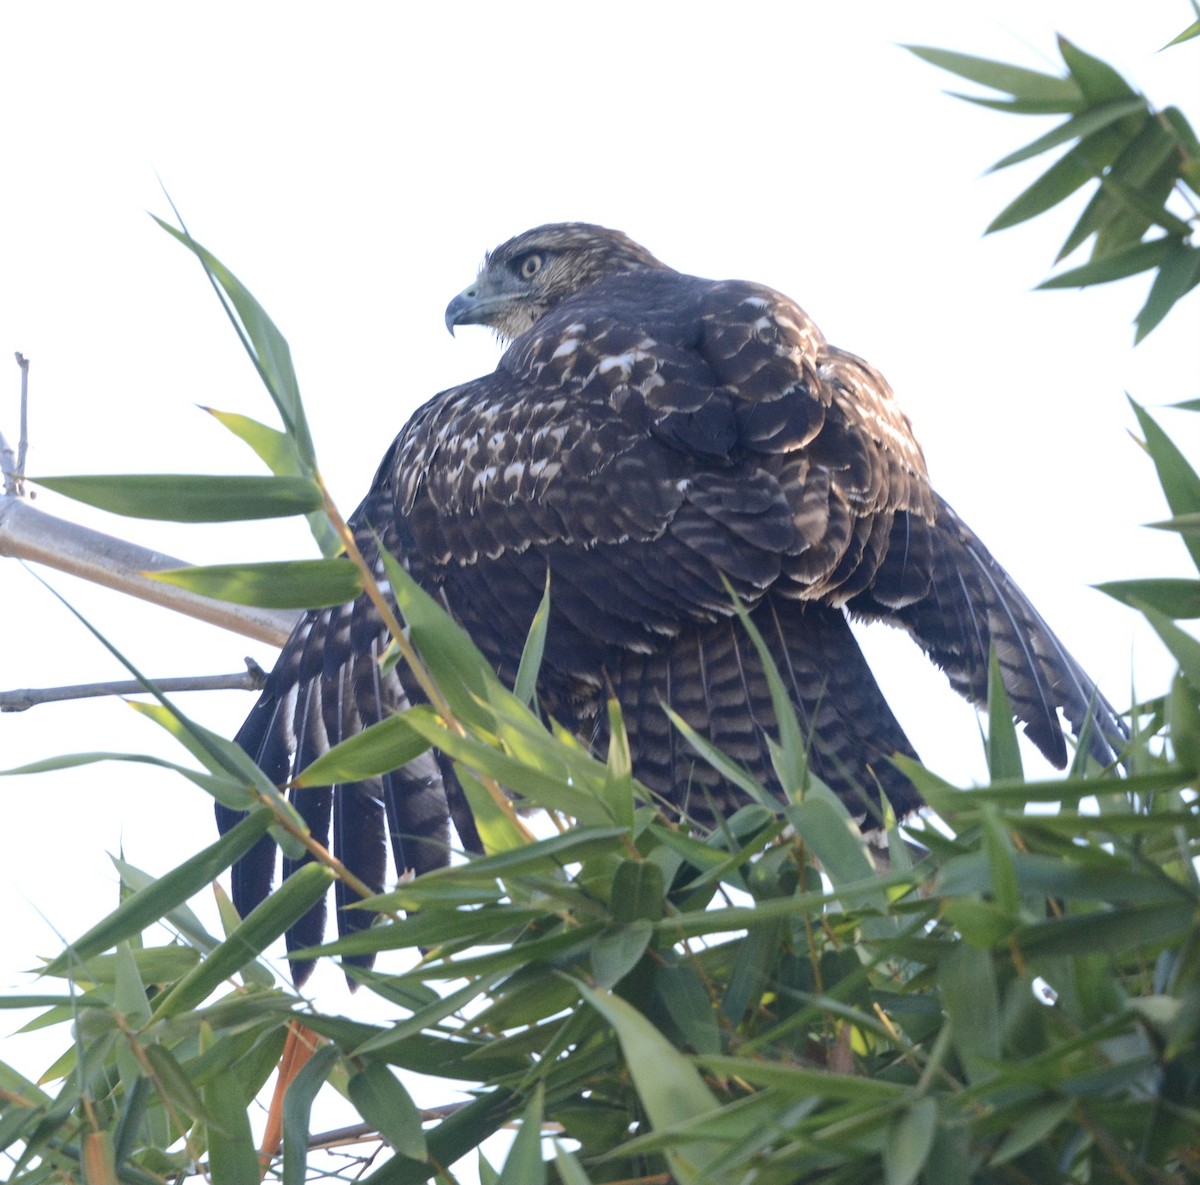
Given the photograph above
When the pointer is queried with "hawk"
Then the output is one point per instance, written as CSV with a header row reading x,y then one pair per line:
x,y
646,437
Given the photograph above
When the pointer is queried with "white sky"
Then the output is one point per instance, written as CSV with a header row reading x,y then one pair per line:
x,y
353,168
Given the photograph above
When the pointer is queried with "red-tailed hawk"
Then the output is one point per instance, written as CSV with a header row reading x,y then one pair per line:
x,y
645,434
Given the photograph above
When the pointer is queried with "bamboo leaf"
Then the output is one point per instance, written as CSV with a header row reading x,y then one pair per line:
x,y
524,1164
1017,81
297,1112
909,1142
1074,128
265,923
376,750
288,584
232,1159
669,1086
1098,81
1177,598
1083,163
525,686
1179,480
1003,751
384,1103
173,1083
1177,276
267,347
183,498
144,907
1128,262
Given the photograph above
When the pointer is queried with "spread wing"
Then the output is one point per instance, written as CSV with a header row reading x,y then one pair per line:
x,y
645,441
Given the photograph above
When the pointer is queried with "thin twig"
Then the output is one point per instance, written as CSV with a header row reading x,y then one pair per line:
x,y
23,441
251,679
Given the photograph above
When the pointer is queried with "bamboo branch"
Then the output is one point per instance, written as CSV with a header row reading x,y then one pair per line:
x,y
33,535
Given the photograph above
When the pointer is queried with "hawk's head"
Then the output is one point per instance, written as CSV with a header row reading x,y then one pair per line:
x,y
522,279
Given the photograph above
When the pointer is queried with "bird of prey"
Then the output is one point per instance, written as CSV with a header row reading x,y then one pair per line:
x,y
646,437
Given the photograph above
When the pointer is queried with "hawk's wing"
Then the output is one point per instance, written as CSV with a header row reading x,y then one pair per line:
x,y
645,441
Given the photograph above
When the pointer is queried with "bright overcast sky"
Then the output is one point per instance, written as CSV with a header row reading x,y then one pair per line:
x,y
352,164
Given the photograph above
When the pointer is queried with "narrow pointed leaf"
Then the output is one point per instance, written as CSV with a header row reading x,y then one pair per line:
x,y
1098,81
184,498
1076,168
297,1111
288,584
232,1159
669,1086
1172,596
1128,262
524,1164
909,1142
144,907
1178,275
267,922
1013,80
376,750
384,1103
525,686
1003,752
1179,480
1073,129
279,452
267,347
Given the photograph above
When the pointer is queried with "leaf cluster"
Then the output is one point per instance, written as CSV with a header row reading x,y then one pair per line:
x,y
1144,163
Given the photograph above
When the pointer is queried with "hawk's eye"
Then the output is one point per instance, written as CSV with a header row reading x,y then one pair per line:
x,y
528,266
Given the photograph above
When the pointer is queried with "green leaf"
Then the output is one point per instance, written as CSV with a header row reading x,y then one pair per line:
x,y
1118,266
618,949
279,452
267,347
297,1112
825,825
1183,722
669,1086
524,1164
999,848
384,1103
1033,1129
799,1080
790,756
1003,752
232,1158
1074,128
725,766
224,789
637,891
1098,81
174,1085
376,750
970,996
525,686
1179,480
265,923
1193,30
1174,597
289,584
1083,163
1177,276
184,498
1017,81
909,1142
144,907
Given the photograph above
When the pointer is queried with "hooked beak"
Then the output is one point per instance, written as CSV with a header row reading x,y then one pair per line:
x,y
465,309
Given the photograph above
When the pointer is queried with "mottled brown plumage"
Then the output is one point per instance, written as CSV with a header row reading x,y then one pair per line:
x,y
646,434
